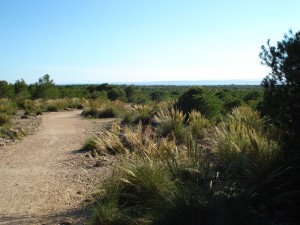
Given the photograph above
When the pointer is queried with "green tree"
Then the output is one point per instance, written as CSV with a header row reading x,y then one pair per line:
x,y
202,100
116,93
131,93
282,85
6,89
21,89
281,102
158,96
45,88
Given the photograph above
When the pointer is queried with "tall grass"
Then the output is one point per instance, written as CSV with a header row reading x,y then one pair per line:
x,y
159,181
171,122
243,149
198,124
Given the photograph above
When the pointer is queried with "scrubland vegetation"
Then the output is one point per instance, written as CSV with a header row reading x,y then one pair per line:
x,y
189,155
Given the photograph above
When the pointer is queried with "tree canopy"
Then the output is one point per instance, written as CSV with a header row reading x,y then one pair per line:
x,y
282,85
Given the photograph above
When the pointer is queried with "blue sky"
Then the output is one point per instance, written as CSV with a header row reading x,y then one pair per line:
x,y
87,41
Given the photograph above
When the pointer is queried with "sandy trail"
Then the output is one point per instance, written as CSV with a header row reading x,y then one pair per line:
x,y
43,179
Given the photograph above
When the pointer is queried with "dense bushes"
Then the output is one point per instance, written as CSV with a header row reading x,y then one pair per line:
x,y
202,100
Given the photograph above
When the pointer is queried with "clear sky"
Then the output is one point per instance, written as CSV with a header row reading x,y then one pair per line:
x,y
97,41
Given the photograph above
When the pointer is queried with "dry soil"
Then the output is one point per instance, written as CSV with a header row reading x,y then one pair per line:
x,y
45,179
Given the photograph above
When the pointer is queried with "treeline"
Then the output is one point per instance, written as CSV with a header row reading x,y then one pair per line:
x,y
226,97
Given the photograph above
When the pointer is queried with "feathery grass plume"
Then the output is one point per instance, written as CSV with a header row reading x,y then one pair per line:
x,y
248,116
163,186
106,142
197,124
242,148
137,193
113,143
144,114
140,138
94,143
171,122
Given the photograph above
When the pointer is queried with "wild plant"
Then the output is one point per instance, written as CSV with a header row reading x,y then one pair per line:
x,y
198,124
171,122
4,118
159,181
242,148
7,106
144,113
34,107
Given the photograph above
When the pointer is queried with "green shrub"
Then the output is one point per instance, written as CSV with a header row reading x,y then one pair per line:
x,y
33,107
202,100
109,112
4,118
7,106
93,112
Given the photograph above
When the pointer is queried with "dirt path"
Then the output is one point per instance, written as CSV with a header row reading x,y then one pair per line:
x,y
44,179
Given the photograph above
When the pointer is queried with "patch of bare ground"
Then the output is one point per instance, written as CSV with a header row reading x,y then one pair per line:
x,y
45,179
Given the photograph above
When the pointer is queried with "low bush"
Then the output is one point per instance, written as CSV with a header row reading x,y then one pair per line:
x,y
106,109
171,122
109,112
4,118
33,107
93,112
7,106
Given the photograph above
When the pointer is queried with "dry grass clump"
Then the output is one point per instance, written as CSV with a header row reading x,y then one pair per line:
x,y
171,122
243,149
143,113
198,124
106,142
160,180
33,107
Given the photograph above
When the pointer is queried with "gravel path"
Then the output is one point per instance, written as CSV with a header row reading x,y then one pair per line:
x,y
44,179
